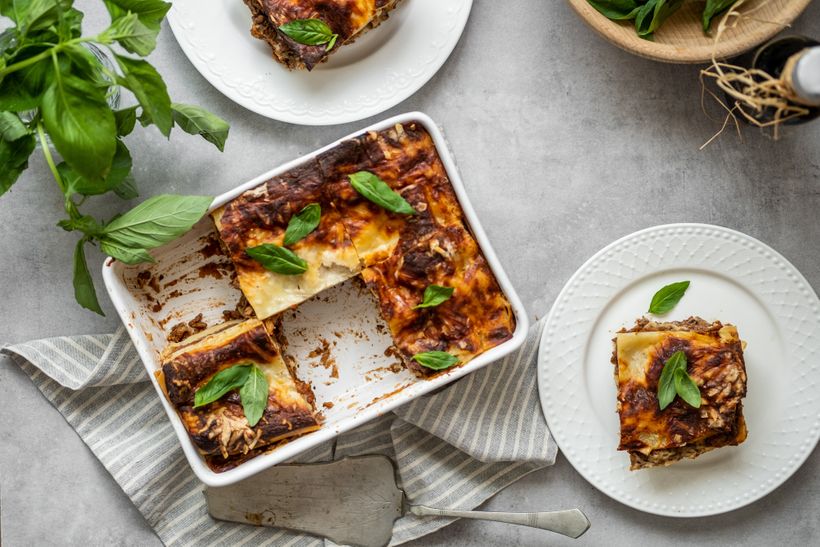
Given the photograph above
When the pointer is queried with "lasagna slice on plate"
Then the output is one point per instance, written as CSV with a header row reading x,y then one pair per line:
x,y
220,429
714,355
348,19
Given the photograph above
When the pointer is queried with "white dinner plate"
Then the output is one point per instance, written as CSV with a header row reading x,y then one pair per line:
x,y
379,70
735,279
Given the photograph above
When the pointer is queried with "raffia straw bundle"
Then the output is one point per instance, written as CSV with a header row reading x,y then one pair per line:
x,y
753,90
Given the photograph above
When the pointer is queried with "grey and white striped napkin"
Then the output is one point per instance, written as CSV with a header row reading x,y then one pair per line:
x,y
454,449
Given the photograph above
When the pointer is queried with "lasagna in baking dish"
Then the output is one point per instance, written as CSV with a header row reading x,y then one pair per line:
x,y
344,19
383,210
220,429
713,359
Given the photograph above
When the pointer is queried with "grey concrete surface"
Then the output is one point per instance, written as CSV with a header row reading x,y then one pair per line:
x,y
564,142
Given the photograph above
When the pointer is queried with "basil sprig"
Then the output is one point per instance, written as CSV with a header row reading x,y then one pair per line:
x,y
55,91
435,295
277,259
675,380
303,223
376,190
436,360
253,390
310,32
668,297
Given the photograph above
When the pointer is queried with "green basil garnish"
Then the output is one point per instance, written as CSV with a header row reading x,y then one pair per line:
x,y
436,360
277,259
253,390
310,32
254,395
687,388
303,223
666,383
675,380
435,295
221,383
376,190
668,297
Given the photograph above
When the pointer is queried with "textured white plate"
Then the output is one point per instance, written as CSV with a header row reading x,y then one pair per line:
x,y
735,279
379,70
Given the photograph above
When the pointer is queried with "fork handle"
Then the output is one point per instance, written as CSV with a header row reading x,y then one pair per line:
x,y
572,523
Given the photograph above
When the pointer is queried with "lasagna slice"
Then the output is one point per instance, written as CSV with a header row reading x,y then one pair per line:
x,y
405,158
261,215
714,353
346,18
219,429
431,247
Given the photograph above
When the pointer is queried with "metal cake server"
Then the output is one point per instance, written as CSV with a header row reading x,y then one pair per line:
x,y
351,501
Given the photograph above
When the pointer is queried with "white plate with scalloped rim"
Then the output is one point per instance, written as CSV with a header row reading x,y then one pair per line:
x,y
734,278
378,71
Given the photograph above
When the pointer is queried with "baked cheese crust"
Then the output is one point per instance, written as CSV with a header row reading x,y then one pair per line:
x,y
347,18
220,429
397,255
714,353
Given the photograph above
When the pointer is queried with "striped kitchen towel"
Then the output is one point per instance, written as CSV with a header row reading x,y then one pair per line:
x,y
453,449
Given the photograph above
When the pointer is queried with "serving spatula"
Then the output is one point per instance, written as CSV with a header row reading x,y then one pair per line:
x,y
351,501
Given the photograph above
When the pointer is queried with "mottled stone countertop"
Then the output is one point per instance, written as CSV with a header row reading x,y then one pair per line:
x,y
564,145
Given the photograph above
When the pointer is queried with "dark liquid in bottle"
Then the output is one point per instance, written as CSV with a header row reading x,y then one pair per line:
x,y
772,58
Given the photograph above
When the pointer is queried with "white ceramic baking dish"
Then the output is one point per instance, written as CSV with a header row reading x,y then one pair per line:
x,y
355,385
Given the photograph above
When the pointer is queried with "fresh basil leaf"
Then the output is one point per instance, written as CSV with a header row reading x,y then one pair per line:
x,y
668,297
77,184
435,295
221,383
11,128
712,9
14,160
666,382
33,14
84,291
254,395
157,220
85,224
22,90
131,34
127,189
81,125
198,121
277,259
126,255
376,190
309,32
687,388
150,12
125,120
617,10
303,223
653,14
436,360
148,87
